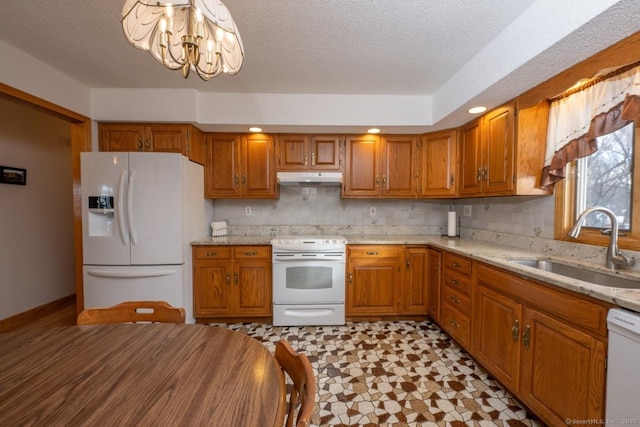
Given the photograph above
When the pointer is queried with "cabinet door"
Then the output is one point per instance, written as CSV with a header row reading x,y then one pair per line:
x,y
471,168
434,284
438,164
169,138
121,137
252,280
498,145
414,298
326,152
195,145
563,370
362,169
293,153
212,288
222,166
497,321
372,279
258,166
399,166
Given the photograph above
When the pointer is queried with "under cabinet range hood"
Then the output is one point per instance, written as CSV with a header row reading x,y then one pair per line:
x,y
309,178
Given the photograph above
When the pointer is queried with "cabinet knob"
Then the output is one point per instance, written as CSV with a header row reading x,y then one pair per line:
x,y
377,179
485,173
515,330
228,278
235,278
139,144
384,179
350,278
479,174
313,159
306,159
454,282
148,145
244,179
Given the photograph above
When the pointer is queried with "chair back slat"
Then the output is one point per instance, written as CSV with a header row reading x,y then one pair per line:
x,y
303,393
133,312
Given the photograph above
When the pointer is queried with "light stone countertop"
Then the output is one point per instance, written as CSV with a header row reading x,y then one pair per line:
x,y
489,253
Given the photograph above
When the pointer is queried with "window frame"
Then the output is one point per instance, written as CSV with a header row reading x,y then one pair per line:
x,y
565,206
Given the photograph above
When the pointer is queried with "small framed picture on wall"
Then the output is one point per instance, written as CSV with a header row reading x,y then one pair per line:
x,y
9,175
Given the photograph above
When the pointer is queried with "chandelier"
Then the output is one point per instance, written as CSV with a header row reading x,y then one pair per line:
x,y
189,35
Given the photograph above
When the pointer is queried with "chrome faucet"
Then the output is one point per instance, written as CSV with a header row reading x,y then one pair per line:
x,y
615,258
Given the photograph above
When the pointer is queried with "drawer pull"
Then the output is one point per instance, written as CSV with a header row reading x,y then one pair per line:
x,y
373,253
455,264
515,330
454,282
212,254
454,324
228,278
251,253
525,336
456,300
235,278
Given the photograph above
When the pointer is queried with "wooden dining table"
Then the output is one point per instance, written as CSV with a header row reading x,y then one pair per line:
x,y
139,374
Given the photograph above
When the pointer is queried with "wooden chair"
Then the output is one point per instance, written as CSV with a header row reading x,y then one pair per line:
x,y
133,312
303,393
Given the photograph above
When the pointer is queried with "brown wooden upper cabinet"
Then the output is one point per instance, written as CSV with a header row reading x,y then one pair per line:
x,y
486,148
153,137
309,152
499,157
438,164
240,166
384,166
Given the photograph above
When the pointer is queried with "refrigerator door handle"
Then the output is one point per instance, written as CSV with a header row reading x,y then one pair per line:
x,y
132,230
132,274
123,233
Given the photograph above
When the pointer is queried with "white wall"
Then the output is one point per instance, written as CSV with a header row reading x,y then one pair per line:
x,y
36,220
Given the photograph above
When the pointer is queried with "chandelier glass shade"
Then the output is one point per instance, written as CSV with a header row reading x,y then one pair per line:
x,y
189,35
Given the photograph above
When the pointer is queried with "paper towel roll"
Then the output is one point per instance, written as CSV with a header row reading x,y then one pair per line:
x,y
451,224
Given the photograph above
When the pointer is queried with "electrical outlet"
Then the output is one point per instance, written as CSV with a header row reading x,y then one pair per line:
x,y
467,210
247,211
372,211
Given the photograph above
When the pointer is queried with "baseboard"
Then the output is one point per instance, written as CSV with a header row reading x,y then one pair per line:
x,y
35,313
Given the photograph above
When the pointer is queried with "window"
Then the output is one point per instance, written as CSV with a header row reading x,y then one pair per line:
x,y
606,178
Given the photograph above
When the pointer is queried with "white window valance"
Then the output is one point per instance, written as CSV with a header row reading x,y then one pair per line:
x,y
579,116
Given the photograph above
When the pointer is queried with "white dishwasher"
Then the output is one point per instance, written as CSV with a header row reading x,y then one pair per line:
x,y
623,368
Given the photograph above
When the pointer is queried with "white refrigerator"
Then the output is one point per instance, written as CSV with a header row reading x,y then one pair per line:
x,y
140,211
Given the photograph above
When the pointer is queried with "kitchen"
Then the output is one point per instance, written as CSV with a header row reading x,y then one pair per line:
x,y
526,219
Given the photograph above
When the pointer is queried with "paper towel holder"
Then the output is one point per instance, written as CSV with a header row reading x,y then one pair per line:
x,y
457,231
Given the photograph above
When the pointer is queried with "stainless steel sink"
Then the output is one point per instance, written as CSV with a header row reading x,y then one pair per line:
x,y
579,273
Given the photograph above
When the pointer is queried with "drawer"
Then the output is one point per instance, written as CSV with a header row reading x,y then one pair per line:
x,y
457,281
211,252
457,263
252,252
372,251
456,324
456,300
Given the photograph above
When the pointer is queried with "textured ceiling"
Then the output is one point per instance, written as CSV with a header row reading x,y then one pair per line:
x,y
457,51
292,46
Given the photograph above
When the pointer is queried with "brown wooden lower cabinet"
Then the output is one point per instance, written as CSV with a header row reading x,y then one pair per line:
x,y
546,345
434,283
232,281
373,276
387,280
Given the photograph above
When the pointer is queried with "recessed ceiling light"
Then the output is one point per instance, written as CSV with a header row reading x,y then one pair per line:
x,y
255,129
373,130
477,110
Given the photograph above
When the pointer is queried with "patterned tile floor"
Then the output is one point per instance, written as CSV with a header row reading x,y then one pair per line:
x,y
394,374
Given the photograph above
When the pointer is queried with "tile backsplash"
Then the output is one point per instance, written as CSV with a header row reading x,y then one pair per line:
x,y
523,222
